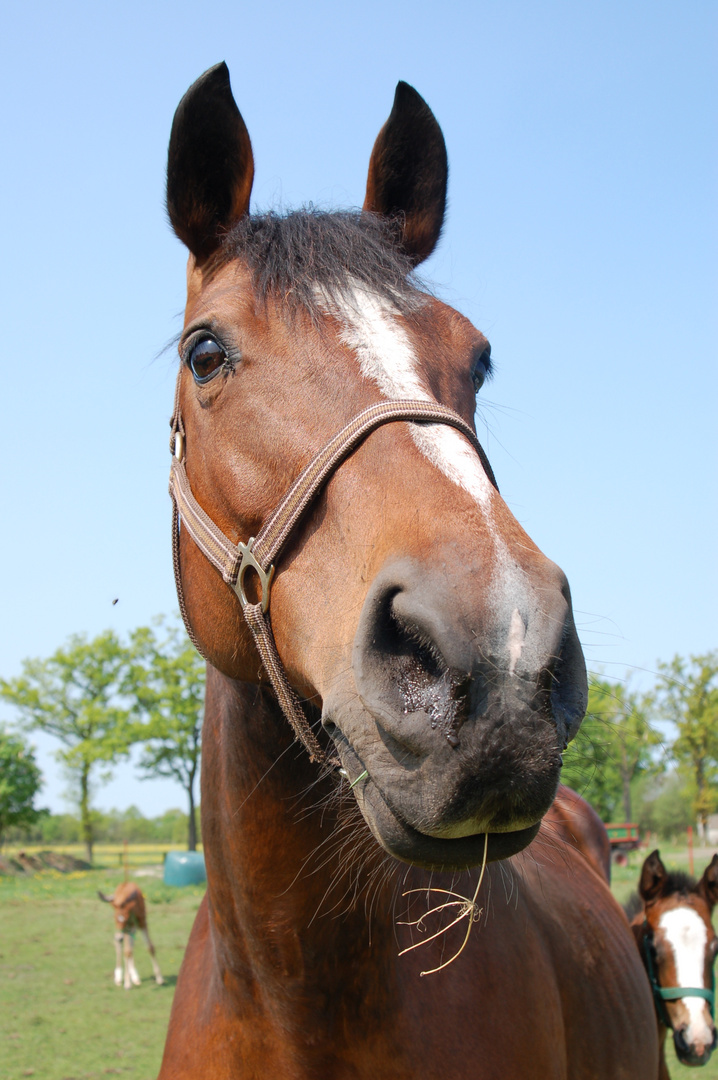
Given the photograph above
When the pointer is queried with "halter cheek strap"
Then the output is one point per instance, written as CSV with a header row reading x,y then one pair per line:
x,y
661,994
260,553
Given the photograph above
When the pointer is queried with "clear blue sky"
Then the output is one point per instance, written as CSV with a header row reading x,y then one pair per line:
x,y
581,238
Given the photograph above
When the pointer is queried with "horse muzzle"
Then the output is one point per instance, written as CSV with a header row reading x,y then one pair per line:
x,y
693,1052
460,732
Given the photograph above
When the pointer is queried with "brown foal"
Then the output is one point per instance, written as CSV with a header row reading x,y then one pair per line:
x,y
130,916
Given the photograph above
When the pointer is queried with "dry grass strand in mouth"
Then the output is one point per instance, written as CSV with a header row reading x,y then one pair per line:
x,y
467,909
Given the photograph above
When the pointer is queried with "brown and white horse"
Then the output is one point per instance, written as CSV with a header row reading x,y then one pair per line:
x,y
673,927
431,643
130,916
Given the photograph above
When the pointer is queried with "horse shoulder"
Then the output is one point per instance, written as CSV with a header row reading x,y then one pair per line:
x,y
572,820
595,963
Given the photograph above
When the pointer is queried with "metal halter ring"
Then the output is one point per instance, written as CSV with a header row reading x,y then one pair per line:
x,y
265,576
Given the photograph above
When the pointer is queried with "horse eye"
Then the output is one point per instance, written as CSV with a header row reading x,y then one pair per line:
x,y
480,368
206,358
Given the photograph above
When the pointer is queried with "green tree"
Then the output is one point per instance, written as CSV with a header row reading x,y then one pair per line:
x,y
75,695
20,781
664,804
614,745
688,696
167,683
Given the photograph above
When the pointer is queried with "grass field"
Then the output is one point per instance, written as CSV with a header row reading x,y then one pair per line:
x,y
62,1017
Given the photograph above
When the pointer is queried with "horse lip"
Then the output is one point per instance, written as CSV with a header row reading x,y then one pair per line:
x,y
433,853
419,848
465,839
692,1059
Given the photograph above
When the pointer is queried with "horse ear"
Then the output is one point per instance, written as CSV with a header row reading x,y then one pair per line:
x,y
708,885
653,875
210,167
408,171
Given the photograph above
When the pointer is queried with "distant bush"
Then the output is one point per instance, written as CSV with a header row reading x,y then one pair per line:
x,y
113,827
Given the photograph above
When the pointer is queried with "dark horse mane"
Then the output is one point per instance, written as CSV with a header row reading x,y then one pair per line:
x,y
304,255
675,883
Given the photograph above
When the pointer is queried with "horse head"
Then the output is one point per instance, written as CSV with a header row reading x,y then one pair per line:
x,y
431,640
679,947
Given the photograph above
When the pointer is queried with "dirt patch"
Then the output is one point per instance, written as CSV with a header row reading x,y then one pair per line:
x,y
41,860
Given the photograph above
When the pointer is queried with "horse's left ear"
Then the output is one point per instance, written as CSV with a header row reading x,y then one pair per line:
x,y
708,885
210,166
653,875
408,171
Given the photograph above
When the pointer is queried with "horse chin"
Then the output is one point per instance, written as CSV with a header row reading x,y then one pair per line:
x,y
693,1060
407,843
688,1055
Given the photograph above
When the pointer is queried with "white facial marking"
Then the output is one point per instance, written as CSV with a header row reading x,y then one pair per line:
x,y
385,355
517,636
686,933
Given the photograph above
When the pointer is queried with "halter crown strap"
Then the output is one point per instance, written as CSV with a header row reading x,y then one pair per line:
x,y
259,554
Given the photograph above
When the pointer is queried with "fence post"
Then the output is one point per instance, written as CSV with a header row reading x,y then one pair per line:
x,y
690,849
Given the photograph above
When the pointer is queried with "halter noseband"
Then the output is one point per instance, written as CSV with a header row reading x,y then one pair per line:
x,y
260,553
662,994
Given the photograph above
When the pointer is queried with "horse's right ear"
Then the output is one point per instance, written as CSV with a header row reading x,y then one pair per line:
x,y
210,167
408,172
653,875
708,885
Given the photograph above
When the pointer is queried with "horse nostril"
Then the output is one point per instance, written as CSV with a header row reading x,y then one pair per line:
x,y
679,1040
568,694
425,681
410,656
443,697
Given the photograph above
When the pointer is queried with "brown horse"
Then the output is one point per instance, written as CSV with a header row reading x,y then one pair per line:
x,y
130,916
571,820
672,924
420,645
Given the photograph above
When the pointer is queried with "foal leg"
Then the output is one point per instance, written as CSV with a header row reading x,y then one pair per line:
x,y
131,975
118,959
155,966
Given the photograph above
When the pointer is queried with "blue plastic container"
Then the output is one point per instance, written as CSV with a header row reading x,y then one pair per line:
x,y
184,868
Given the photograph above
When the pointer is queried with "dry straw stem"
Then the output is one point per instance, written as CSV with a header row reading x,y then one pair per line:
x,y
467,909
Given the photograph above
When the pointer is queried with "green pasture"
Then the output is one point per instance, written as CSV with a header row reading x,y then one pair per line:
x,y
62,1017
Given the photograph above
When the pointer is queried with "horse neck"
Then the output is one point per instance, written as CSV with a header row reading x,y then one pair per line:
x,y
287,891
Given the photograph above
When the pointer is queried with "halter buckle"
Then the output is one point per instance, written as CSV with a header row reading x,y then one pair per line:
x,y
265,576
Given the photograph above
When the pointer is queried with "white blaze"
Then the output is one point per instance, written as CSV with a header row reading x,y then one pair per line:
x,y
386,356
686,933
373,331
517,636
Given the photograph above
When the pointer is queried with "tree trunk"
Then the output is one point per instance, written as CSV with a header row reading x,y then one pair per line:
x,y
626,773
626,780
192,824
85,809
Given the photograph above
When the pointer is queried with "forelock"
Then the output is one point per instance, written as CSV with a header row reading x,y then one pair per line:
x,y
308,257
